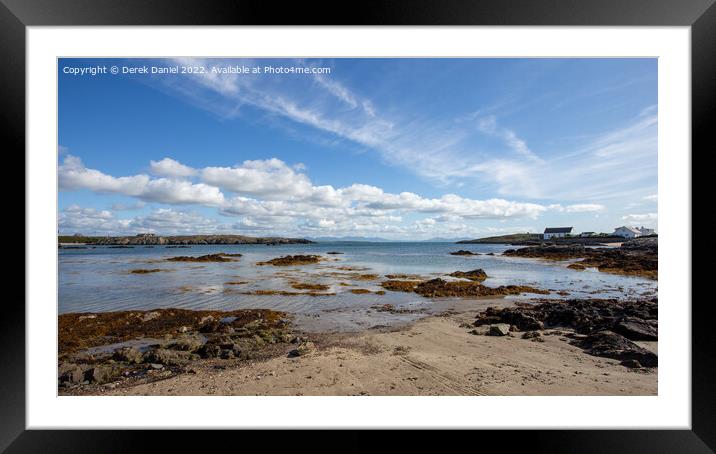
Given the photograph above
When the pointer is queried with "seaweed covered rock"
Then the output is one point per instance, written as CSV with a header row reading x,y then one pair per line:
x,y
71,373
129,355
399,286
101,373
441,288
289,260
477,275
201,258
635,259
168,357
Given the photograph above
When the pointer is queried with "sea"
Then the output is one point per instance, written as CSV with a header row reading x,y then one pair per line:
x,y
99,278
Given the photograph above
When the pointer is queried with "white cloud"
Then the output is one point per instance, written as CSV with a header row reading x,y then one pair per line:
x,y
337,89
644,217
488,125
269,178
168,167
270,195
90,221
73,175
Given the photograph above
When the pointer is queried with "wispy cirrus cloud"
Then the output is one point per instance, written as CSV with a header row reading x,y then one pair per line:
x,y
610,165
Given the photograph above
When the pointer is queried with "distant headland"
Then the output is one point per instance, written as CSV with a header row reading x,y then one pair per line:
x,y
152,239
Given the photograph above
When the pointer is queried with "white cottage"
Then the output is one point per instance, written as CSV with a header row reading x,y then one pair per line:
x,y
556,232
626,232
644,231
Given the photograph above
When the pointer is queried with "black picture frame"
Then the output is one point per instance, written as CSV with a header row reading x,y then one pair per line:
x,y
700,15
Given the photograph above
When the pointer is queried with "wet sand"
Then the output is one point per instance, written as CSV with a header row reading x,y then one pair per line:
x,y
435,355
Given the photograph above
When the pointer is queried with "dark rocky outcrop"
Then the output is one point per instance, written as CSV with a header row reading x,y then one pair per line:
x,y
463,252
478,275
632,258
146,271
612,345
293,260
201,258
307,286
603,327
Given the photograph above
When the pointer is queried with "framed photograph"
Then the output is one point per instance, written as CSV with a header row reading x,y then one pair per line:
x,y
436,216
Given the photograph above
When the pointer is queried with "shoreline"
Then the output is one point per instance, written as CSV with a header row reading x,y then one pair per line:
x,y
435,355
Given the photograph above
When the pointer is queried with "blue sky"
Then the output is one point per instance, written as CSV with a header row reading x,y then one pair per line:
x,y
396,148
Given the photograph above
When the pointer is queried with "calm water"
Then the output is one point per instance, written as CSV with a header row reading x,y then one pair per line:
x,y
99,279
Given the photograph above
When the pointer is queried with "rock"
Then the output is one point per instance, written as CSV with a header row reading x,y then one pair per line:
x,y
437,288
129,355
399,286
463,252
302,350
637,260
202,258
478,275
211,326
531,335
292,260
631,363
167,357
189,343
209,351
612,345
70,373
481,330
87,317
101,374
512,316
636,329
500,329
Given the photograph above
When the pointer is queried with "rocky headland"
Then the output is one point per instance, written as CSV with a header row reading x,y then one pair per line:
x,y
638,257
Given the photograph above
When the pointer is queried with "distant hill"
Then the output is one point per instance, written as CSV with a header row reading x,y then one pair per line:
x,y
504,239
150,239
350,238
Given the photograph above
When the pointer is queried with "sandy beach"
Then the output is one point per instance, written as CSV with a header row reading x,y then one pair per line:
x,y
436,355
